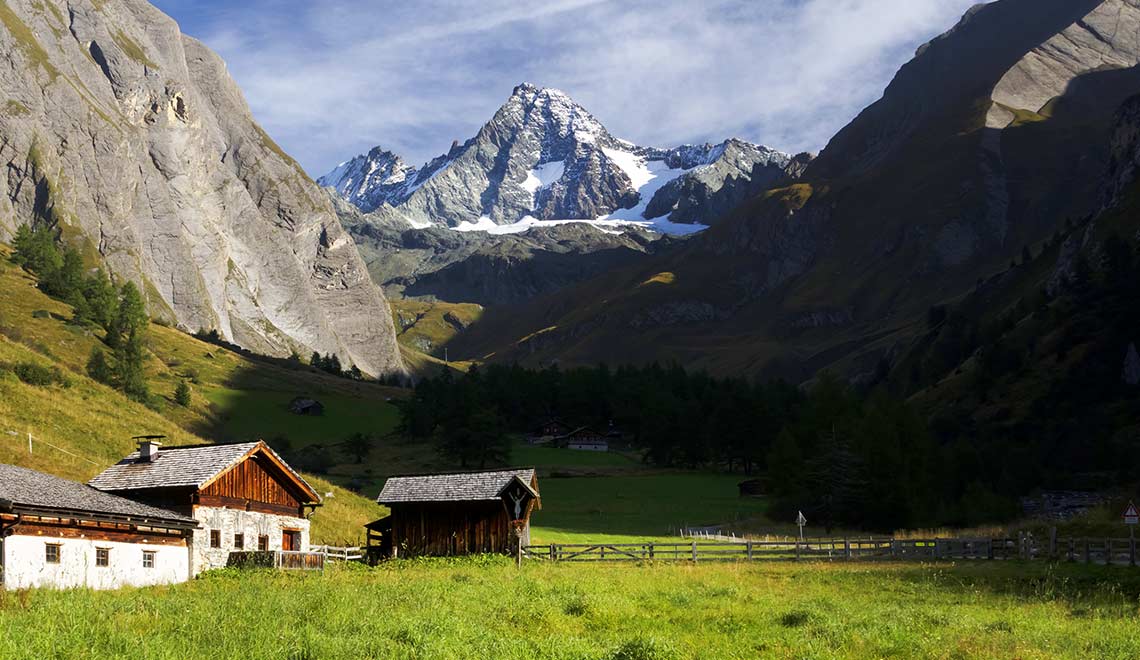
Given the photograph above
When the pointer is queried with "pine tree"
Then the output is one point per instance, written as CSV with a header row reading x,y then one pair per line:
x,y
182,394
316,361
131,317
129,371
100,301
97,367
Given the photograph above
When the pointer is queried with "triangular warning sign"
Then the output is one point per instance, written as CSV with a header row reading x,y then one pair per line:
x,y
1131,515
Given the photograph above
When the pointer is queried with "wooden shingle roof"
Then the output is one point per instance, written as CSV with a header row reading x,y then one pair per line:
x,y
186,467
31,492
454,487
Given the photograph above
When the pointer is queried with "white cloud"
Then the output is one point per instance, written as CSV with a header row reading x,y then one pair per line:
x,y
331,79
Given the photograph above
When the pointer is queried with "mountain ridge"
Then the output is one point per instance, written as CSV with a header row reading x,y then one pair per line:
x,y
544,156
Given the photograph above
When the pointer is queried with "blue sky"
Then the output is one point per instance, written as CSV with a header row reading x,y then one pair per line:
x,y
332,78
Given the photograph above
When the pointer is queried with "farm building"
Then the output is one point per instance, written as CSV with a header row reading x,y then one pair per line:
x,y
245,497
63,534
306,406
547,432
456,514
585,439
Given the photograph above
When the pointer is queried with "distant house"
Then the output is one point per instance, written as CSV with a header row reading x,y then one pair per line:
x,y
456,514
585,439
306,406
245,497
62,534
547,432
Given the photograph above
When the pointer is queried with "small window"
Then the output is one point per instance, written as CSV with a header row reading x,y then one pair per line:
x,y
263,543
215,538
148,559
239,541
51,553
102,557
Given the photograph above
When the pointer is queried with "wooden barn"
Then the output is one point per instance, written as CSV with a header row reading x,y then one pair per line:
x,y
455,514
62,534
245,497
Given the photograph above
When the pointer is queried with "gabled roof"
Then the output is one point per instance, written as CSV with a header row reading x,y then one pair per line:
x,y
189,467
31,492
584,430
454,487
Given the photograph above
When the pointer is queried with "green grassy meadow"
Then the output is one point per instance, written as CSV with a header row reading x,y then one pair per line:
x,y
638,507
484,608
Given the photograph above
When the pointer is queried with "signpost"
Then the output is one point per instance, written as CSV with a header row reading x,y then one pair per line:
x,y
1131,518
800,522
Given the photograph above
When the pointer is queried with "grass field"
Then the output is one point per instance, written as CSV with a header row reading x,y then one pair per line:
x,y
264,414
484,608
636,508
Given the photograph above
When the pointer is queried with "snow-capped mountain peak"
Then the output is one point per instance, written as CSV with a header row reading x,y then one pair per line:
x,y
544,158
371,179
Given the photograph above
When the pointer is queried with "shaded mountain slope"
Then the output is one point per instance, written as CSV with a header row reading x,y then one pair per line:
x,y
994,135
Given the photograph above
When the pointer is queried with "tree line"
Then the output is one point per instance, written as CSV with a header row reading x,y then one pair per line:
x,y
843,456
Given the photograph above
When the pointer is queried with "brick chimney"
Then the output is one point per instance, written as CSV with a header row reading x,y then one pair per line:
x,y
148,451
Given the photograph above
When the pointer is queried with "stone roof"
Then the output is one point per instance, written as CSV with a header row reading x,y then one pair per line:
x,y
180,467
456,487
29,491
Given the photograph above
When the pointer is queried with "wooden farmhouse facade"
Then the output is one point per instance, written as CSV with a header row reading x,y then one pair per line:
x,y
585,439
62,534
456,514
244,497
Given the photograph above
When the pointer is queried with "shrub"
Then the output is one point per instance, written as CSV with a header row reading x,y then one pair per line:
x,y
39,375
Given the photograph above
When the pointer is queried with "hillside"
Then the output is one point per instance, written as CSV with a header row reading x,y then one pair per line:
x,y
83,426
985,143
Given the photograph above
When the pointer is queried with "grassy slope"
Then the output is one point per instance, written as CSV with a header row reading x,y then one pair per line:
x,y
487,609
92,424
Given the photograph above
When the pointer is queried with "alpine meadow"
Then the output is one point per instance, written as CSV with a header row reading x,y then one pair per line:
x,y
589,329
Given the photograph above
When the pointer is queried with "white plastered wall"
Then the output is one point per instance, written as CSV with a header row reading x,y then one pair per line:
x,y
233,521
25,564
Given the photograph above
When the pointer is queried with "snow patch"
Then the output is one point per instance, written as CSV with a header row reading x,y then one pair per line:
x,y
543,175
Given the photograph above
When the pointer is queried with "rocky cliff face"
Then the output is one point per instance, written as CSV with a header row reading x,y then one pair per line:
x,y
133,140
544,156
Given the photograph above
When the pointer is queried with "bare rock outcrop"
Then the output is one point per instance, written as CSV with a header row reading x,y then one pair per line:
x,y
136,143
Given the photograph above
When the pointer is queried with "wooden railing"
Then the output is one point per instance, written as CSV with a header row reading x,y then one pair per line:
x,y
286,560
1097,551
337,553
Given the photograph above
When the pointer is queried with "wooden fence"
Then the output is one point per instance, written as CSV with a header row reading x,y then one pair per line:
x,y
337,553
1088,550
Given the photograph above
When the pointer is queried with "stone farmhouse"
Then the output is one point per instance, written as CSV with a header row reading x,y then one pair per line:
x,y
244,496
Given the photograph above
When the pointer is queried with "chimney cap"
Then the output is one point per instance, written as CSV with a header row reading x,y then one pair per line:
x,y
149,437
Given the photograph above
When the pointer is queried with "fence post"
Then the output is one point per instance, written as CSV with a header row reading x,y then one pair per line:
x,y
1072,549
694,551
894,549
797,549
846,549
651,553
1088,556
1052,543
1108,552
1131,547
750,551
